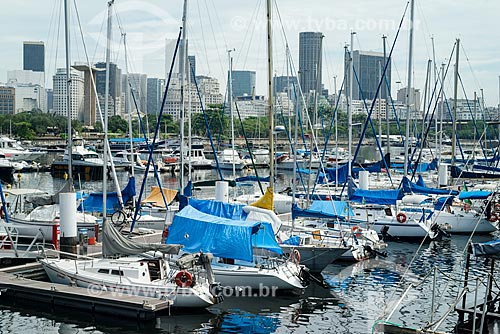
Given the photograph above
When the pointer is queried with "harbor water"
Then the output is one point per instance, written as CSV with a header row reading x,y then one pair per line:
x,y
358,294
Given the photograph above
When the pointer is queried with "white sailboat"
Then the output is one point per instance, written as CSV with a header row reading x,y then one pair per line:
x,y
189,283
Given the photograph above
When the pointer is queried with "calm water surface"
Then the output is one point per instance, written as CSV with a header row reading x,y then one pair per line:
x,y
358,295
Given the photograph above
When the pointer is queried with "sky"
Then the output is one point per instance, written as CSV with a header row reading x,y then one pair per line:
x,y
216,26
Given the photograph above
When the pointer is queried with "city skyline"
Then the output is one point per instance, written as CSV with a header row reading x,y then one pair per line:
x,y
149,23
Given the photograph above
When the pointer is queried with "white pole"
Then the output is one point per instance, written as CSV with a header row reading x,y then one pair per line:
x,y
183,83
106,109
349,108
408,88
68,94
455,94
270,115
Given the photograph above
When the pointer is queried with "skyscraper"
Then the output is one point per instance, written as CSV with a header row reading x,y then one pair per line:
x,y
139,84
77,94
310,48
154,95
367,66
192,67
115,86
34,56
243,82
281,83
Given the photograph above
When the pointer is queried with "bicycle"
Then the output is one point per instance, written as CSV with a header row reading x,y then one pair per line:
x,y
122,216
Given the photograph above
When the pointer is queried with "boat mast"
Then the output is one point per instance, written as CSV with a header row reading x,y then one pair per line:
x,y
183,83
455,93
349,108
270,114
230,102
388,93
408,88
128,111
106,109
441,115
68,94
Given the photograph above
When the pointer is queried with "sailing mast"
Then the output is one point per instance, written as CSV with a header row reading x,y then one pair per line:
x,y
270,114
455,93
387,94
408,88
68,95
183,84
106,109
349,109
129,113
230,102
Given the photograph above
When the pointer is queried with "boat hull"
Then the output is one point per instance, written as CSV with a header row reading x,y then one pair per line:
x,y
60,272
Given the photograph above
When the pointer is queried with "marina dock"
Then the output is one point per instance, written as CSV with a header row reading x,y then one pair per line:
x,y
19,289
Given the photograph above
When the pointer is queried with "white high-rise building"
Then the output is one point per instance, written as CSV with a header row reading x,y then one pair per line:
x,y
30,92
77,94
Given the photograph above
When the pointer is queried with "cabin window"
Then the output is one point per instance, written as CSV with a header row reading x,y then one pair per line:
x,y
103,271
117,272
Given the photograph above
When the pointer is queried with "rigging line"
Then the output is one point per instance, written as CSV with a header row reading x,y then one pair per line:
x,y
432,116
49,34
219,57
470,67
472,114
57,36
203,37
253,18
104,19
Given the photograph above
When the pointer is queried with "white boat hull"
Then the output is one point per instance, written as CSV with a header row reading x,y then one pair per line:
x,y
64,272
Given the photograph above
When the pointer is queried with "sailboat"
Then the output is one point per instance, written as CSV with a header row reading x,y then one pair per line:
x,y
189,282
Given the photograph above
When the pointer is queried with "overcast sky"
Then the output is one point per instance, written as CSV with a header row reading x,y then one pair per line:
x,y
218,25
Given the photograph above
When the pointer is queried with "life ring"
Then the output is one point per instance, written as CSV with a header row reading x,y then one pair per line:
x,y
401,218
493,218
356,230
184,279
165,233
466,207
295,256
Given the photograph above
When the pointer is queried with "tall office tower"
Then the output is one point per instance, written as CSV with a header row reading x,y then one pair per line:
x,y
77,94
139,84
7,100
34,56
192,69
154,95
368,66
282,83
243,82
89,115
115,87
310,47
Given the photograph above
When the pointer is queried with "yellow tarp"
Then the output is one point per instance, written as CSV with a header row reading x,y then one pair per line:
x,y
266,201
155,198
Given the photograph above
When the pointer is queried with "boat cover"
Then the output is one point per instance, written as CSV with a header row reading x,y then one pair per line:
x,y
490,248
442,202
324,209
198,231
477,194
415,188
383,197
93,203
156,199
219,209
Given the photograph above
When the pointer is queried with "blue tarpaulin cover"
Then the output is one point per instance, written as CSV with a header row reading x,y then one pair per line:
x,y
410,187
94,202
342,173
442,202
490,248
252,178
323,209
383,197
479,194
228,238
219,209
